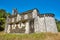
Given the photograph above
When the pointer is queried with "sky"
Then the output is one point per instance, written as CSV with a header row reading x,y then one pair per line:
x,y
44,6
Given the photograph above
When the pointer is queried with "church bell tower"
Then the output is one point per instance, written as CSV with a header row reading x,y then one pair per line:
x,y
14,11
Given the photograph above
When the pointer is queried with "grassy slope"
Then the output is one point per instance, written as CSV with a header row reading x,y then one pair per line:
x,y
34,36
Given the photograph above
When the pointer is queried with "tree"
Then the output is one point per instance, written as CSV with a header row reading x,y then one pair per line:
x,y
3,15
58,25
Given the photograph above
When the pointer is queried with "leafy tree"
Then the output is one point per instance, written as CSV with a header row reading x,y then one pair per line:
x,y
58,25
3,15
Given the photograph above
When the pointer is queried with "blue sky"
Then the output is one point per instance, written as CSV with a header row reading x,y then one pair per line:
x,y
44,6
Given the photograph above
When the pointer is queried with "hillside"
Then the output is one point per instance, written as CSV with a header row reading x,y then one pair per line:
x,y
34,36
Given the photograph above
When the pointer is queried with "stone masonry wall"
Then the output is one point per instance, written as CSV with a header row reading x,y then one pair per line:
x,y
27,27
42,27
36,26
50,24
45,24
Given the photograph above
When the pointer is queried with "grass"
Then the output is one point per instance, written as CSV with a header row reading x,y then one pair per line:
x,y
34,36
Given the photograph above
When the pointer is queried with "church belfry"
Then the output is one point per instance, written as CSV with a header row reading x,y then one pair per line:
x,y
14,11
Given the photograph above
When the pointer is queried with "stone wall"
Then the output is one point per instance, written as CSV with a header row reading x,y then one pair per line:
x,y
18,17
34,13
8,29
50,24
45,24
27,27
36,26
39,24
42,27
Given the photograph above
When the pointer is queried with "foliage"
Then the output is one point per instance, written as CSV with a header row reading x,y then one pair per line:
x,y
58,25
3,15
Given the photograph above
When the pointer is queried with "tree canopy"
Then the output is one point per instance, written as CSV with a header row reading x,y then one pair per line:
x,y
3,15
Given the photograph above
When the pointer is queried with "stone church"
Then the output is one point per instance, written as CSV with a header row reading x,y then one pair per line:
x,y
30,21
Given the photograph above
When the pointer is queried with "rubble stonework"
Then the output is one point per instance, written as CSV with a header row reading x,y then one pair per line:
x,y
29,22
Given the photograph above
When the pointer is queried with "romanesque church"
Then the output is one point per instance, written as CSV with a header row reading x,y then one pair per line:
x,y
30,21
